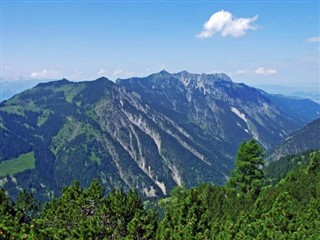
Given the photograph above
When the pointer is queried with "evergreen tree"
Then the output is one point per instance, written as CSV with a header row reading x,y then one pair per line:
x,y
288,210
248,175
314,165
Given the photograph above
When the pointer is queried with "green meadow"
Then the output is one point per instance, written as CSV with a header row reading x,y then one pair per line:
x,y
16,165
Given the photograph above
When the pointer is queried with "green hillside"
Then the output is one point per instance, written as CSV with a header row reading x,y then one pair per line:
x,y
288,210
16,165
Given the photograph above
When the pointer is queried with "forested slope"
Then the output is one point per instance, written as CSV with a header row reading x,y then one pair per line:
x,y
288,210
151,134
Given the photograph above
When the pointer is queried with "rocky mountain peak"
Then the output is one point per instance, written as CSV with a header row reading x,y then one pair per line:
x,y
194,79
103,78
189,80
164,73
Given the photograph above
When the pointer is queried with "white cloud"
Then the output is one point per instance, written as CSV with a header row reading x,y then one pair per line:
x,y
265,71
225,23
240,72
117,72
47,74
121,73
102,72
313,40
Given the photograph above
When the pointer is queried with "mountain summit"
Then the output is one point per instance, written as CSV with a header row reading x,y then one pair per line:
x,y
151,133
230,111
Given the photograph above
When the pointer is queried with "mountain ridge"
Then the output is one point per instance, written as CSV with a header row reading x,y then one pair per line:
x,y
214,91
151,134
306,139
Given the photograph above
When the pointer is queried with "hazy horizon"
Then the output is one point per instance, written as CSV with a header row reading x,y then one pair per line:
x,y
10,88
259,43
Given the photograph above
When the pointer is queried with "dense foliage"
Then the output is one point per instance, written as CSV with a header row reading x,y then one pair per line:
x,y
248,175
287,210
277,170
78,214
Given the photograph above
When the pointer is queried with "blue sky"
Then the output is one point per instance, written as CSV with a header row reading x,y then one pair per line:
x,y
256,42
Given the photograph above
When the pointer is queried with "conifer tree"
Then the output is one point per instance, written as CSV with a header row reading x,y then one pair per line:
x,y
248,175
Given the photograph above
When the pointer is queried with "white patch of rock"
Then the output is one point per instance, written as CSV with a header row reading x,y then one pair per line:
x,y
239,114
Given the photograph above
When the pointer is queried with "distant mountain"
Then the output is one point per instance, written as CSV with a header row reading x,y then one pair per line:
x,y
312,93
151,133
277,170
296,107
306,139
228,110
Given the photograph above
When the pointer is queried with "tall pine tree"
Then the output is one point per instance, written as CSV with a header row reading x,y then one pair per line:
x,y
248,176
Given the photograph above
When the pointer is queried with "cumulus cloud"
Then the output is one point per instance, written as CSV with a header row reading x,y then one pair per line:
x,y
313,40
225,23
265,71
122,73
117,72
240,72
102,72
46,74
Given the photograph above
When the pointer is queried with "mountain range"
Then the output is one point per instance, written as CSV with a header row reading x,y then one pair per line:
x,y
306,139
150,133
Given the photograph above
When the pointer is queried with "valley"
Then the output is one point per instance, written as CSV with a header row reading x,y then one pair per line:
x,y
150,134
